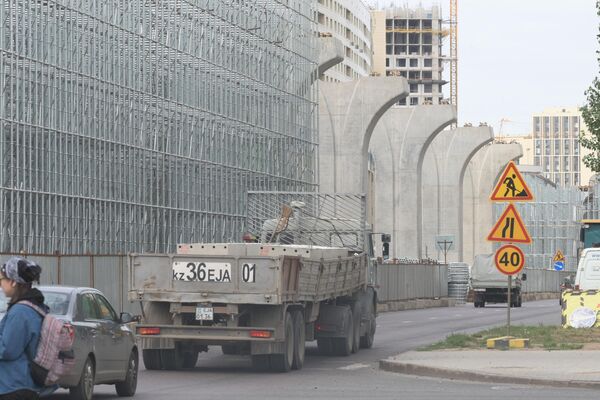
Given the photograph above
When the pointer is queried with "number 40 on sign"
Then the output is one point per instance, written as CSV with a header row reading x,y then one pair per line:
x,y
509,259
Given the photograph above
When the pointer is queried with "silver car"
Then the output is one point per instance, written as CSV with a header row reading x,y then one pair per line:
x,y
105,348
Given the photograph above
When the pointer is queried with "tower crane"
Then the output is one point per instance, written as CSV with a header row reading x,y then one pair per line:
x,y
454,53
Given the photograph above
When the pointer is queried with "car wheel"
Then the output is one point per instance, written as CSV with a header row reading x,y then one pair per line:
x,y
128,386
85,388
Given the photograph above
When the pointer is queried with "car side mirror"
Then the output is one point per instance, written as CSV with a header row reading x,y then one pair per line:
x,y
126,318
524,277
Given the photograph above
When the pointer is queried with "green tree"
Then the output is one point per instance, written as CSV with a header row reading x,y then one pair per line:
x,y
591,115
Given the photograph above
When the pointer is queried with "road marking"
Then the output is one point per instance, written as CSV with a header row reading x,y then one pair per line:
x,y
433,317
353,367
407,322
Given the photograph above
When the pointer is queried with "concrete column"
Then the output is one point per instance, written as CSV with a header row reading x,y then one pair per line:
x,y
332,53
444,167
399,145
479,179
348,113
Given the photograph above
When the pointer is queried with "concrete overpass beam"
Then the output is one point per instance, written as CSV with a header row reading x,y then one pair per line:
x,y
399,146
348,113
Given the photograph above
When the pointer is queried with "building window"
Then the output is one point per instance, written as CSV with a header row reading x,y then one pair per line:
x,y
426,50
402,102
536,126
414,88
575,146
536,161
565,125
427,63
556,126
427,88
387,61
388,37
414,75
575,124
414,62
575,179
546,126
427,38
556,147
388,49
400,62
538,147
414,101
427,75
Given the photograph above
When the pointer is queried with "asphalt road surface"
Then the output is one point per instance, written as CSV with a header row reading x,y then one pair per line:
x,y
356,377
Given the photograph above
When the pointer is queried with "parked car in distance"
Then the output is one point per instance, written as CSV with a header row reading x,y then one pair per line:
x,y
105,348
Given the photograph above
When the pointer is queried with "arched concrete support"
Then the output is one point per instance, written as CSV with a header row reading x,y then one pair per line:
x,y
405,133
445,163
348,113
331,53
479,180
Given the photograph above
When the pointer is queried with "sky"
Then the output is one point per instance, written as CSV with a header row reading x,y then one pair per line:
x,y
518,57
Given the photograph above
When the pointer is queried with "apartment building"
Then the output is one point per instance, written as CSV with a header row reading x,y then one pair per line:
x,y
556,146
350,22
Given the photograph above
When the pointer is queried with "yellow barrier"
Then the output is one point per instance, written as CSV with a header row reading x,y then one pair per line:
x,y
573,300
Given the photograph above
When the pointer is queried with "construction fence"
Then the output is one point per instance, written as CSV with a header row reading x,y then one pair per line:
x,y
108,273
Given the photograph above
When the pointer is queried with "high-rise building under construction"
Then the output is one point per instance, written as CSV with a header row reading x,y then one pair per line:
x,y
408,42
134,125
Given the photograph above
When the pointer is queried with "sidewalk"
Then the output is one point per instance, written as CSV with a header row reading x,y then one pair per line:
x,y
572,368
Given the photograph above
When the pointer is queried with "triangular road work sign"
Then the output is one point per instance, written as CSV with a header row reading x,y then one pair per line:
x,y
509,228
511,186
559,256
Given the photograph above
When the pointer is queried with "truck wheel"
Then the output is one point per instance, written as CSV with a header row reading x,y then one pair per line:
x,y
356,316
151,359
325,346
343,346
261,362
282,362
299,339
189,359
172,359
366,342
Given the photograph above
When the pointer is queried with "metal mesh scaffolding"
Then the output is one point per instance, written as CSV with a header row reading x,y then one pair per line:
x,y
551,220
135,125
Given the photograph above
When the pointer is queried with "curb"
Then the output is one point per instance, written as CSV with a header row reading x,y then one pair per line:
x,y
421,370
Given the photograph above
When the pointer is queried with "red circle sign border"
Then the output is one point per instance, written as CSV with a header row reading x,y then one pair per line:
x,y
509,246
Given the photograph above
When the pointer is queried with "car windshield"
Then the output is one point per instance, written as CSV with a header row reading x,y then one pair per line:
x,y
57,301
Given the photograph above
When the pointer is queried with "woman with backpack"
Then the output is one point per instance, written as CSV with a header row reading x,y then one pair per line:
x,y
19,329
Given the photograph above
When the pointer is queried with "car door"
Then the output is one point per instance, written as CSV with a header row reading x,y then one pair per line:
x,y
88,332
116,351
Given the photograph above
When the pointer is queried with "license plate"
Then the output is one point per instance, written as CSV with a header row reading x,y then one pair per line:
x,y
204,314
216,272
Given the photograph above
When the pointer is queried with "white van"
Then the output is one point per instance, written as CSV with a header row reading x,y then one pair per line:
x,y
588,270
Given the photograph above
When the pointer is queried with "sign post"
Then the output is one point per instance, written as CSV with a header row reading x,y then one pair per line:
x,y
509,259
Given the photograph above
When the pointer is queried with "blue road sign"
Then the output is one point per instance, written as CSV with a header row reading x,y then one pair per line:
x,y
559,265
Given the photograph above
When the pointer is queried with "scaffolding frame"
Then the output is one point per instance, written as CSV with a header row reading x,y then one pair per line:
x,y
136,125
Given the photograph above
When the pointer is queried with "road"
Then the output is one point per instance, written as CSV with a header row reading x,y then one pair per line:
x,y
357,376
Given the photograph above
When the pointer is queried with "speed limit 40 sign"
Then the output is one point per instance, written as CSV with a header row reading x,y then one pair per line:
x,y
509,259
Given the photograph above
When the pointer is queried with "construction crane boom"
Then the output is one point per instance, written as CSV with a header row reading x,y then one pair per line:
x,y
454,53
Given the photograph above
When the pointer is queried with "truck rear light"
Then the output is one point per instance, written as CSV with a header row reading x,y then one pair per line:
x,y
260,334
149,331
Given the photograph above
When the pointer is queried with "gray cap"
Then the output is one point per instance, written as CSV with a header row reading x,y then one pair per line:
x,y
21,270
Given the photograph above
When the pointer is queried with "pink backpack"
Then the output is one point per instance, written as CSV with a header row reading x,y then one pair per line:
x,y
54,358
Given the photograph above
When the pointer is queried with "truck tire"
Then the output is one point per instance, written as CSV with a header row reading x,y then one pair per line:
x,y
261,362
342,346
189,359
299,339
151,359
325,346
356,316
282,362
366,341
172,359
